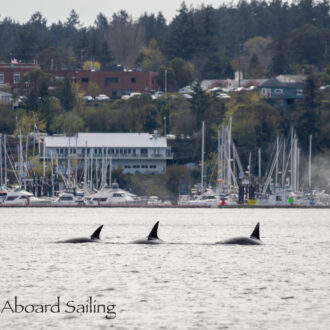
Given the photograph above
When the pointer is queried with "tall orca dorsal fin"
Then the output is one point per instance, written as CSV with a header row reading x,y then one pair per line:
x,y
96,234
153,234
256,232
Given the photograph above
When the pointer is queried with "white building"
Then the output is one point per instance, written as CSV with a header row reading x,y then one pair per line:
x,y
131,152
6,98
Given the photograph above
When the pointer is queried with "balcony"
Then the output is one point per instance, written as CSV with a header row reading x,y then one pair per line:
x,y
79,155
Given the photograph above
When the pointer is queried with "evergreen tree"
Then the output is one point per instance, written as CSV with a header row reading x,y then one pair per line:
x,y
199,103
181,40
66,96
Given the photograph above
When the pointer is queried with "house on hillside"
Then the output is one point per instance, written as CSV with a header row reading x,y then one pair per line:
x,y
287,88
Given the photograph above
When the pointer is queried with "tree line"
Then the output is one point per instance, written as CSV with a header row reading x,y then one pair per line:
x,y
264,38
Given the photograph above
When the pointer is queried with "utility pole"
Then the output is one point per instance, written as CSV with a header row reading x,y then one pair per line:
x,y
165,81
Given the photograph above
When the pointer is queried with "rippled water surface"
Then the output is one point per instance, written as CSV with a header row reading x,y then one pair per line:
x,y
187,284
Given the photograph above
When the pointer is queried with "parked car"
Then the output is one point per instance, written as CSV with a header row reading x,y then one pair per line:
x,y
223,96
102,97
88,98
126,97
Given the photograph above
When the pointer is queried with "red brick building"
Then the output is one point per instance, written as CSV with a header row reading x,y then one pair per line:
x,y
12,74
113,84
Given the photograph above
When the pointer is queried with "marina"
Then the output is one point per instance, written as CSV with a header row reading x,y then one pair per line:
x,y
76,175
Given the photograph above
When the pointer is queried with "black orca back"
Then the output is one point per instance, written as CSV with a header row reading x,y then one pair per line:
x,y
96,234
154,232
256,232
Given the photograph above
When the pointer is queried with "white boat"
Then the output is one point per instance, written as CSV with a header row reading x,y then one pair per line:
x,y
68,198
21,197
207,199
3,194
114,196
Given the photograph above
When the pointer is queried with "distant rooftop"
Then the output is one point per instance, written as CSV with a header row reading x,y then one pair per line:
x,y
104,140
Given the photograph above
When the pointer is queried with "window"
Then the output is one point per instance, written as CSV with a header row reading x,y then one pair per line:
x,y
110,81
133,80
17,77
300,91
278,91
116,92
84,79
144,151
2,78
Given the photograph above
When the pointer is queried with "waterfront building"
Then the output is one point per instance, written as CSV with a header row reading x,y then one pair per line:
x,y
131,152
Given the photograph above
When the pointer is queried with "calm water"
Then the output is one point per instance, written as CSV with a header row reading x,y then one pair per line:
x,y
188,284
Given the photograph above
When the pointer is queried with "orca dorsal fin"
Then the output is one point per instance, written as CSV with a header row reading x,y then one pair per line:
x,y
96,234
153,234
256,232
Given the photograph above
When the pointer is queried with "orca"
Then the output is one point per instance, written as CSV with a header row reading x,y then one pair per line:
x,y
254,239
152,238
94,238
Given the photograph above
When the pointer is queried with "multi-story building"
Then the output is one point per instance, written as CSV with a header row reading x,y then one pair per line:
x,y
12,74
131,152
112,83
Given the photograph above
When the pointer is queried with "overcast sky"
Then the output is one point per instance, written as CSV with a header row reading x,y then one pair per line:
x,y
21,10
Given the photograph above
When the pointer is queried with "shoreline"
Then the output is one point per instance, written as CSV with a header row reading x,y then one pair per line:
x,y
174,206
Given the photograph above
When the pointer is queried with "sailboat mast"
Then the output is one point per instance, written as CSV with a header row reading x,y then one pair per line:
x,y
249,165
44,158
202,171
310,163
283,163
110,178
20,158
219,162
259,162
229,154
276,165
5,157
85,167
1,160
